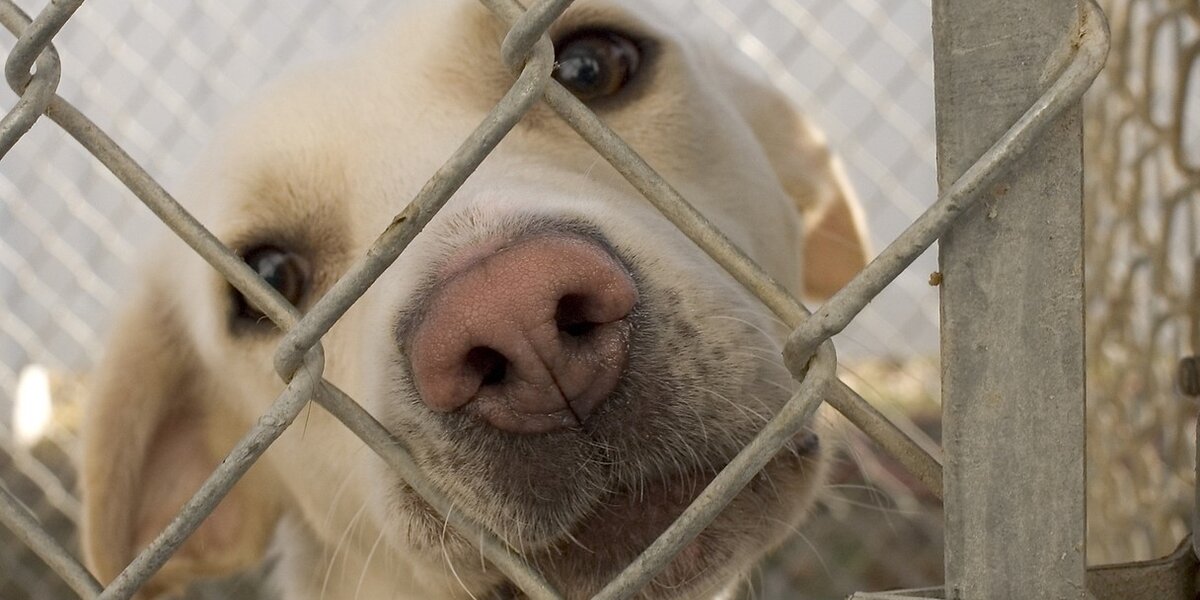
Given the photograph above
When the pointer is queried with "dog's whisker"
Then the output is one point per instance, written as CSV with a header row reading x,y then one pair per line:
x,y
449,560
755,312
342,539
341,488
876,506
367,565
752,326
759,418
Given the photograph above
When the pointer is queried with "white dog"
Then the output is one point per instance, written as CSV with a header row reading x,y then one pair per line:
x,y
564,364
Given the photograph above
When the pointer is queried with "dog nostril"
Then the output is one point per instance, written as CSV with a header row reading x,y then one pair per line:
x,y
570,318
577,329
489,365
531,339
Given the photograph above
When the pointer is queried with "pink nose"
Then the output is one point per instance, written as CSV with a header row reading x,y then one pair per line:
x,y
532,338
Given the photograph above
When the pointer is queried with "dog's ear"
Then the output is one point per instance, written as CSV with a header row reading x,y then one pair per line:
x,y
150,438
836,246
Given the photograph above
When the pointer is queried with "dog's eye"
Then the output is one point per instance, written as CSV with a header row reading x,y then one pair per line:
x,y
594,64
285,271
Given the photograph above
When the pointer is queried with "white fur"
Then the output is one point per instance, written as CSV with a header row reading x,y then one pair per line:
x,y
329,155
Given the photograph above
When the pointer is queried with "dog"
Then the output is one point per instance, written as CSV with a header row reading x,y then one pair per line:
x,y
564,364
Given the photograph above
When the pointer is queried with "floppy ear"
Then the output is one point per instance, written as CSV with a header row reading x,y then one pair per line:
x,y
151,435
836,246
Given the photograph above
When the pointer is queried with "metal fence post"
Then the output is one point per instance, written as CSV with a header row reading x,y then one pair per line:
x,y
1012,325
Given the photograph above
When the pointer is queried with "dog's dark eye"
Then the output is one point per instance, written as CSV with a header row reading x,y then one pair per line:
x,y
594,64
285,271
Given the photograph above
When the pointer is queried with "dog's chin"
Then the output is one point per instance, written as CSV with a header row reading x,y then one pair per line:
x,y
600,546
580,558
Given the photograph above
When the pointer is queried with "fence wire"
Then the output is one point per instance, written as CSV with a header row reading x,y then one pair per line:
x,y
155,75
1143,190
300,360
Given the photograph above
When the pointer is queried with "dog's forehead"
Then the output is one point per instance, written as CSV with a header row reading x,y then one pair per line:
x,y
377,120
413,72
341,145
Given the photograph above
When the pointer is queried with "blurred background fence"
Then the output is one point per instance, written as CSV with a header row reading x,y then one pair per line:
x,y
1143,243
157,76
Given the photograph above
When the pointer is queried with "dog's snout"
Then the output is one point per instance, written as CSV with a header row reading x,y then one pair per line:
x,y
531,338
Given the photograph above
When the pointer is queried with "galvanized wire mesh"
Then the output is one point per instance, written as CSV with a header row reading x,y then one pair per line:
x,y
300,358
1143,186
156,76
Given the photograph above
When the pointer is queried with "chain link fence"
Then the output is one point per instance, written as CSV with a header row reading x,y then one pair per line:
x,y
1143,225
154,76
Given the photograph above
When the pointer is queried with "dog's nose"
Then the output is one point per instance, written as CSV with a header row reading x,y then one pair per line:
x,y
532,338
